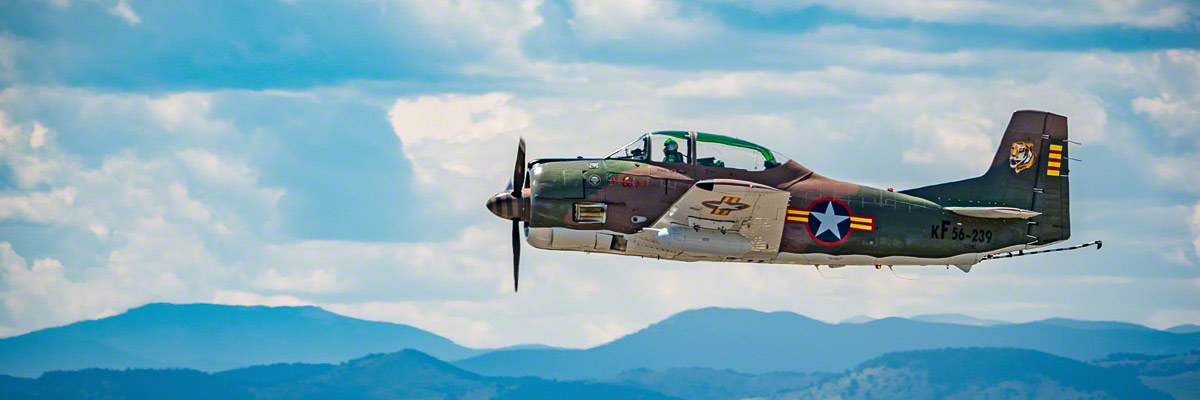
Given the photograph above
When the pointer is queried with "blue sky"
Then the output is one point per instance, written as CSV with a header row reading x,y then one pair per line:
x,y
337,153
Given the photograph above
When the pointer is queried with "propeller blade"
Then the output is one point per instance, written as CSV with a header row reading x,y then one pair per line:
x,y
516,242
519,171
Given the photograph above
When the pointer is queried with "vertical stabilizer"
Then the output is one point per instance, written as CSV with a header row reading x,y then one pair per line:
x,y
1029,171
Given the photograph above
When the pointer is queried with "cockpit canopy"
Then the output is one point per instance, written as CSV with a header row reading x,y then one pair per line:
x,y
707,150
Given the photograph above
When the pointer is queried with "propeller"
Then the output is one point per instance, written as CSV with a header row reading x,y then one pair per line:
x,y
517,184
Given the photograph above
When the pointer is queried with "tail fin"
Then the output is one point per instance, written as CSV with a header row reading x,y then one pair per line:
x,y
1029,172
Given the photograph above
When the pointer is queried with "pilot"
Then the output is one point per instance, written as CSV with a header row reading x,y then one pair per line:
x,y
671,152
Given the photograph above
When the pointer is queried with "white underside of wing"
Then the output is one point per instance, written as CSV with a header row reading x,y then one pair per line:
x,y
994,212
749,210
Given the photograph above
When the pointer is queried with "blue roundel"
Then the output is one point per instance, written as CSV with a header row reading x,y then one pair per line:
x,y
829,221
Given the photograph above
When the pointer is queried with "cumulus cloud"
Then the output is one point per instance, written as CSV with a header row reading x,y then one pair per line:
x,y
123,11
1179,117
187,215
1176,105
157,238
454,143
616,19
494,27
1163,319
39,293
741,84
240,298
180,110
935,120
1194,220
1172,106
1148,13
940,120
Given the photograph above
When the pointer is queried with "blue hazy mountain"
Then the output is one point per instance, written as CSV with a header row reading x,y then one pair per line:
x,y
956,319
407,374
712,384
1095,325
1185,328
757,342
213,337
857,319
964,373
977,373
1177,374
216,337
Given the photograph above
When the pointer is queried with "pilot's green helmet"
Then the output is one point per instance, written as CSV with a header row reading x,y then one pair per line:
x,y
670,144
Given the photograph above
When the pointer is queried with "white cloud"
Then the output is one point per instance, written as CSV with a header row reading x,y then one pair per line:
x,y
38,138
495,27
1175,103
1172,82
455,143
40,293
1180,117
123,11
1164,319
1194,221
1144,14
315,281
623,19
1181,172
806,84
955,120
188,110
215,169
159,239
240,298
181,219
18,142
937,120
457,317
958,139
39,207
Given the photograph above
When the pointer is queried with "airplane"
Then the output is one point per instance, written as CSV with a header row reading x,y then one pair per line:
x,y
693,196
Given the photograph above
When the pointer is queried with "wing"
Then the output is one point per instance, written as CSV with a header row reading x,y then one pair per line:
x,y
752,210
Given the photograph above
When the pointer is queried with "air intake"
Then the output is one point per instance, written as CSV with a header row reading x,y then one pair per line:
x,y
590,213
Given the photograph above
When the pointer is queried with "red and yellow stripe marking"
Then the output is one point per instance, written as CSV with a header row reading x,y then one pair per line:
x,y
1054,167
861,223
797,215
857,222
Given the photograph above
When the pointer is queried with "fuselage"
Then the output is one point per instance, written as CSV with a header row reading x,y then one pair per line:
x,y
604,205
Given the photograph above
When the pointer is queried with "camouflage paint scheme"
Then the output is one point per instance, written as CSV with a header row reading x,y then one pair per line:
x,y
909,227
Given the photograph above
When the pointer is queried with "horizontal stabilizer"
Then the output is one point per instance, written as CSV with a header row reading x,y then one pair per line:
x,y
994,212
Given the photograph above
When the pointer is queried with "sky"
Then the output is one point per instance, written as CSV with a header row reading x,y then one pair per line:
x,y
339,153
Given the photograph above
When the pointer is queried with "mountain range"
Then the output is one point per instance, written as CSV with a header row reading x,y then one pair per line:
x,y
1185,328
757,342
212,338
410,374
407,374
